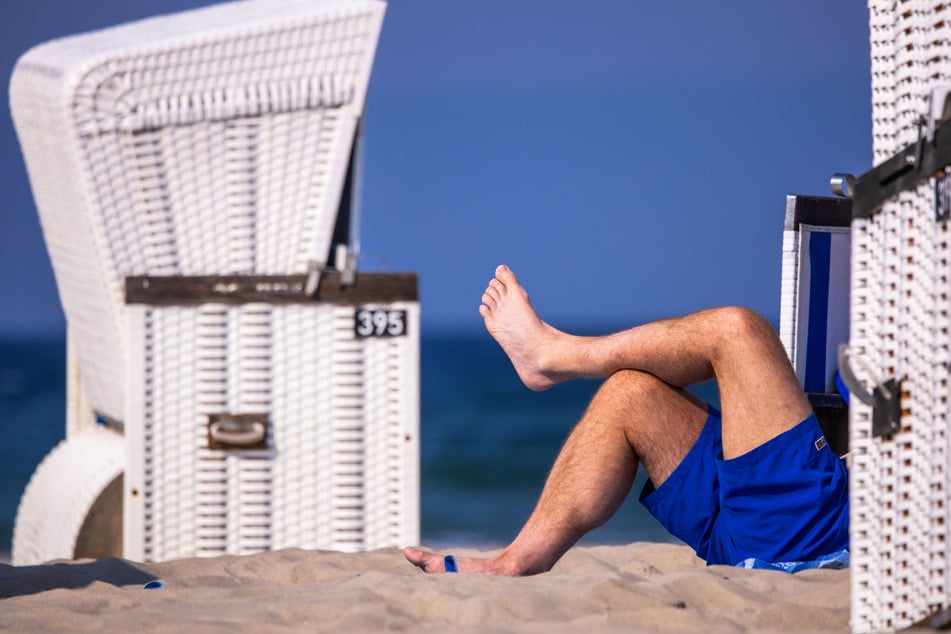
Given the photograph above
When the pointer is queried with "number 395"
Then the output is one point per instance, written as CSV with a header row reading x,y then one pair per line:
x,y
379,322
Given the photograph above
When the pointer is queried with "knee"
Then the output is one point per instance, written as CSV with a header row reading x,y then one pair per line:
x,y
735,324
622,394
632,383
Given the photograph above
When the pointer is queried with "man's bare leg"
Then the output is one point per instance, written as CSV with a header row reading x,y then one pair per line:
x,y
760,395
633,414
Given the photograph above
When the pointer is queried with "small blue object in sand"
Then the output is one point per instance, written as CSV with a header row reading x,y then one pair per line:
x,y
837,560
154,585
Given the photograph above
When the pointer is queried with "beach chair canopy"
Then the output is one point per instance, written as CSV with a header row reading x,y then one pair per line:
x,y
203,143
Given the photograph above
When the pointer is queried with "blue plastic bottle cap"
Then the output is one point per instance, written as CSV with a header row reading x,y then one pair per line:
x,y
154,585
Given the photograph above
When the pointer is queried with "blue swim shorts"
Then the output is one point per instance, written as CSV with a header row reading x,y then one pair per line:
x,y
787,500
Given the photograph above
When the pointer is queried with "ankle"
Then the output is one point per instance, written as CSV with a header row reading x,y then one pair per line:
x,y
565,356
547,357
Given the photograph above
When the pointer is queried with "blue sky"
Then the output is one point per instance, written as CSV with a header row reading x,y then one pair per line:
x,y
628,159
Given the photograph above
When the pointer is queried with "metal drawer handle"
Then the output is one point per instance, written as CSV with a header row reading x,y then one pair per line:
x,y
239,433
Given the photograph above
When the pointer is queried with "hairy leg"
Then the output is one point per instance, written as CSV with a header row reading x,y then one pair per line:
x,y
634,416
760,395
640,413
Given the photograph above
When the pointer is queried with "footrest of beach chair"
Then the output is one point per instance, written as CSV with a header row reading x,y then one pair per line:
x,y
72,506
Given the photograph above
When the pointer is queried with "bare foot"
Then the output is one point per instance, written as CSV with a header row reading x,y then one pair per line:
x,y
514,324
431,562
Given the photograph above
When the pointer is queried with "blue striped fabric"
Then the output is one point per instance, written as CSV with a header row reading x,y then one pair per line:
x,y
820,248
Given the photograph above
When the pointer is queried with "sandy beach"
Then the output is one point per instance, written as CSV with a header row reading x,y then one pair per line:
x,y
642,587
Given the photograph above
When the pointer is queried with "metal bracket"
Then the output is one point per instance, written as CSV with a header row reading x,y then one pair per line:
x,y
942,196
842,184
886,412
885,398
851,381
346,261
929,156
314,269
938,109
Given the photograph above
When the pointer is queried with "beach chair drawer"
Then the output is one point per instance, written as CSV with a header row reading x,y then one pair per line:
x,y
254,426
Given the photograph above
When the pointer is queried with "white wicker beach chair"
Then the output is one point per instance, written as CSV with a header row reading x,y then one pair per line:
x,y
814,310
197,178
900,320
814,306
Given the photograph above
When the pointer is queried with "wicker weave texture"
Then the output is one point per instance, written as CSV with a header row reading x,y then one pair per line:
x,y
911,55
60,494
788,306
341,467
899,483
209,142
900,328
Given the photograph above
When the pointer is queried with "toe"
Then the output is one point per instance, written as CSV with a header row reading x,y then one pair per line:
x,y
505,275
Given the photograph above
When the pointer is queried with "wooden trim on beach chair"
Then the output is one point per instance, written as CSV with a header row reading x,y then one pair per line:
x,y
824,211
183,290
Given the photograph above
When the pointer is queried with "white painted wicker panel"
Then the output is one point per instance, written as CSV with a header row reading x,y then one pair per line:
x,y
58,185
152,148
939,481
212,365
788,307
900,322
378,423
392,432
197,178
911,55
348,435
319,463
898,484
882,39
341,470
167,451
303,365
251,472
293,156
79,413
60,494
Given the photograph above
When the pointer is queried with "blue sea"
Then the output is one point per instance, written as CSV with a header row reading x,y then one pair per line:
x,y
487,442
